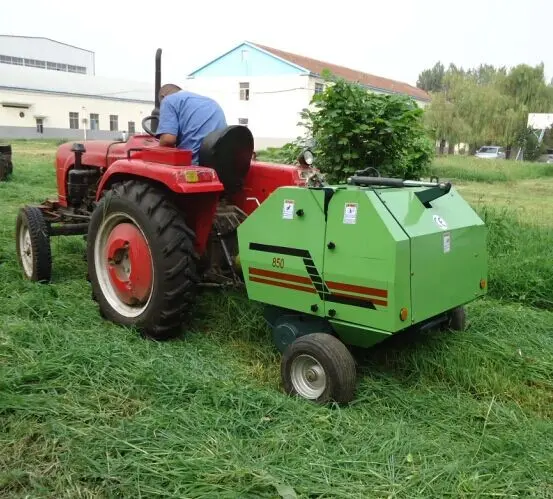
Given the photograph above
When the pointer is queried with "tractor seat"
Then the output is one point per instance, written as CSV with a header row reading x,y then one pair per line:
x,y
229,152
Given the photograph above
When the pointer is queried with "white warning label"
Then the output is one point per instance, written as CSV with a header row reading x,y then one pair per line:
x,y
288,209
447,242
350,213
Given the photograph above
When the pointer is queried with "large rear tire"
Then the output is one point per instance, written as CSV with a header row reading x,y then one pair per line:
x,y
141,260
33,244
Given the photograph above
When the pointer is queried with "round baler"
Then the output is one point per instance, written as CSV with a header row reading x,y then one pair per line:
x,y
335,266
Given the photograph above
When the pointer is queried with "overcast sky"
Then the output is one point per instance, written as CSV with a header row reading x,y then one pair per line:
x,y
392,38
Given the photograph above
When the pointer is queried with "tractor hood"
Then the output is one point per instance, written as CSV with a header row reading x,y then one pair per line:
x,y
102,153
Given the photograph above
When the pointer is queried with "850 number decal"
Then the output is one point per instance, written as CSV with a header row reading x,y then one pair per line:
x,y
278,263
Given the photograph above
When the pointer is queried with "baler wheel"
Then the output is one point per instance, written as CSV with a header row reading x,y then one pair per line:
x,y
141,260
319,367
458,319
33,244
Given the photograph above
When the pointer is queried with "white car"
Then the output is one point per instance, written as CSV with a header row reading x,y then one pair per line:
x,y
491,152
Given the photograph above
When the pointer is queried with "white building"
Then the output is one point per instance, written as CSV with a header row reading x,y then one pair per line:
x,y
48,89
266,89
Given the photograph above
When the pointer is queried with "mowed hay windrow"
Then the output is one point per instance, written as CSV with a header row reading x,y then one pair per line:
x,y
89,409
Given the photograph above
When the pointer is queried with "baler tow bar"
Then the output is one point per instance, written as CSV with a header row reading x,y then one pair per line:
x,y
436,189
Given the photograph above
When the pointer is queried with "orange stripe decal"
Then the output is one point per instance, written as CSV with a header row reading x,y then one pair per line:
x,y
280,275
357,289
282,284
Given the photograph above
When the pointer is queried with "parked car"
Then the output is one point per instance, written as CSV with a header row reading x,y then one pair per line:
x,y
491,152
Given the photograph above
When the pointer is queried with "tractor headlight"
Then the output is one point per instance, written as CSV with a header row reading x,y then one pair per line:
x,y
306,158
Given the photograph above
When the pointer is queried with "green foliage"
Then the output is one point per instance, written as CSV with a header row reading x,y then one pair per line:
x,y
488,105
527,139
354,129
521,256
432,80
286,154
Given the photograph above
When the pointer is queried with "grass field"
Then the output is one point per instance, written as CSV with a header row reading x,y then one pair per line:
x,y
91,410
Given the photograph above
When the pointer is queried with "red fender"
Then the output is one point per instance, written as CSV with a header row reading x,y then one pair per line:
x,y
200,188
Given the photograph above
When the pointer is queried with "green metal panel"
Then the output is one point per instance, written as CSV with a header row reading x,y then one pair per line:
x,y
278,248
369,263
448,250
377,252
361,336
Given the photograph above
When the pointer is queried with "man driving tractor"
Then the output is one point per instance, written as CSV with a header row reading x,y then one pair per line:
x,y
186,118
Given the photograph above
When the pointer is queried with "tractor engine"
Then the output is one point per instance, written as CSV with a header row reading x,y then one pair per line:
x,y
81,182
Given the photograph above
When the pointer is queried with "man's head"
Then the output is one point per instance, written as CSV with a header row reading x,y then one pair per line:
x,y
168,89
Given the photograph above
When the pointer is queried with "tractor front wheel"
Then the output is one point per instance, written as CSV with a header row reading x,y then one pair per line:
x,y
33,244
319,367
141,260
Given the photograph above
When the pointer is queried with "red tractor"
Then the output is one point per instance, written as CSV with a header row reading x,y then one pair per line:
x,y
157,227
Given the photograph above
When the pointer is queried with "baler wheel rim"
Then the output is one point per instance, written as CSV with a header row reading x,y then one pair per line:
x,y
308,377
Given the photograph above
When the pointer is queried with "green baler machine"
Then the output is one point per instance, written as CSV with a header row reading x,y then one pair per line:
x,y
354,264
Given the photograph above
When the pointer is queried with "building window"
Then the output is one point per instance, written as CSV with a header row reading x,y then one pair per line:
x,y
319,87
244,91
94,122
35,63
131,127
243,121
113,125
74,121
39,125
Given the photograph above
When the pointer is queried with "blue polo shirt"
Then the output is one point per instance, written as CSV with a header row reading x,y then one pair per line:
x,y
190,117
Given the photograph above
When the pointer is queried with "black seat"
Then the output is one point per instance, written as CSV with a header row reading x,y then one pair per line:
x,y
229,152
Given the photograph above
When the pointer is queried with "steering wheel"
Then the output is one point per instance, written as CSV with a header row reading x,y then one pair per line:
x,y
146,128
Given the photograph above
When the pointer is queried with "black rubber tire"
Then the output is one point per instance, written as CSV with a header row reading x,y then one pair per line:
x,y
458,319
334,357
4,169
32,218
171,243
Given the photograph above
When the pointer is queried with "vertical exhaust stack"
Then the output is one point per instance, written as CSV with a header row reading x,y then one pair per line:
x,y
155,112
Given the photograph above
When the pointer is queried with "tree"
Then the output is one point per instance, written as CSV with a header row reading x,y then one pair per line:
x,y
488,104
354,129
431,80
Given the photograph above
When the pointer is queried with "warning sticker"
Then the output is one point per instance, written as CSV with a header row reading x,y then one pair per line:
x,y
350,213
288,209
447,242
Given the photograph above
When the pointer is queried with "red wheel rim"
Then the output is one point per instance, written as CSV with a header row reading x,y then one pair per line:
x,y
128,261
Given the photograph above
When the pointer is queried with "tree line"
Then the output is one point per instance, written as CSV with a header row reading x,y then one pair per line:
x,y
486,105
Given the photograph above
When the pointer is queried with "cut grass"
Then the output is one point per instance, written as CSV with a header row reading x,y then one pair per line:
x,y
89,409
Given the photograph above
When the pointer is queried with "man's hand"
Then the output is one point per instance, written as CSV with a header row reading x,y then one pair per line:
x,y
168,140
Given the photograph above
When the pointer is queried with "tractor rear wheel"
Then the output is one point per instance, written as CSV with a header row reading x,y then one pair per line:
x,y
141,260
33,244
319,367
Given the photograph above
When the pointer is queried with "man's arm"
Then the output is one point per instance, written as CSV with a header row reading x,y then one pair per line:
x,y
168,128
168,140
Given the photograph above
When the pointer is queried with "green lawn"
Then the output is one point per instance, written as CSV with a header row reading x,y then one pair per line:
x,y
92,410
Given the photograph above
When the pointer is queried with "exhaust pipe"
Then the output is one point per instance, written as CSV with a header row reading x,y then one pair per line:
x,y
155,112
